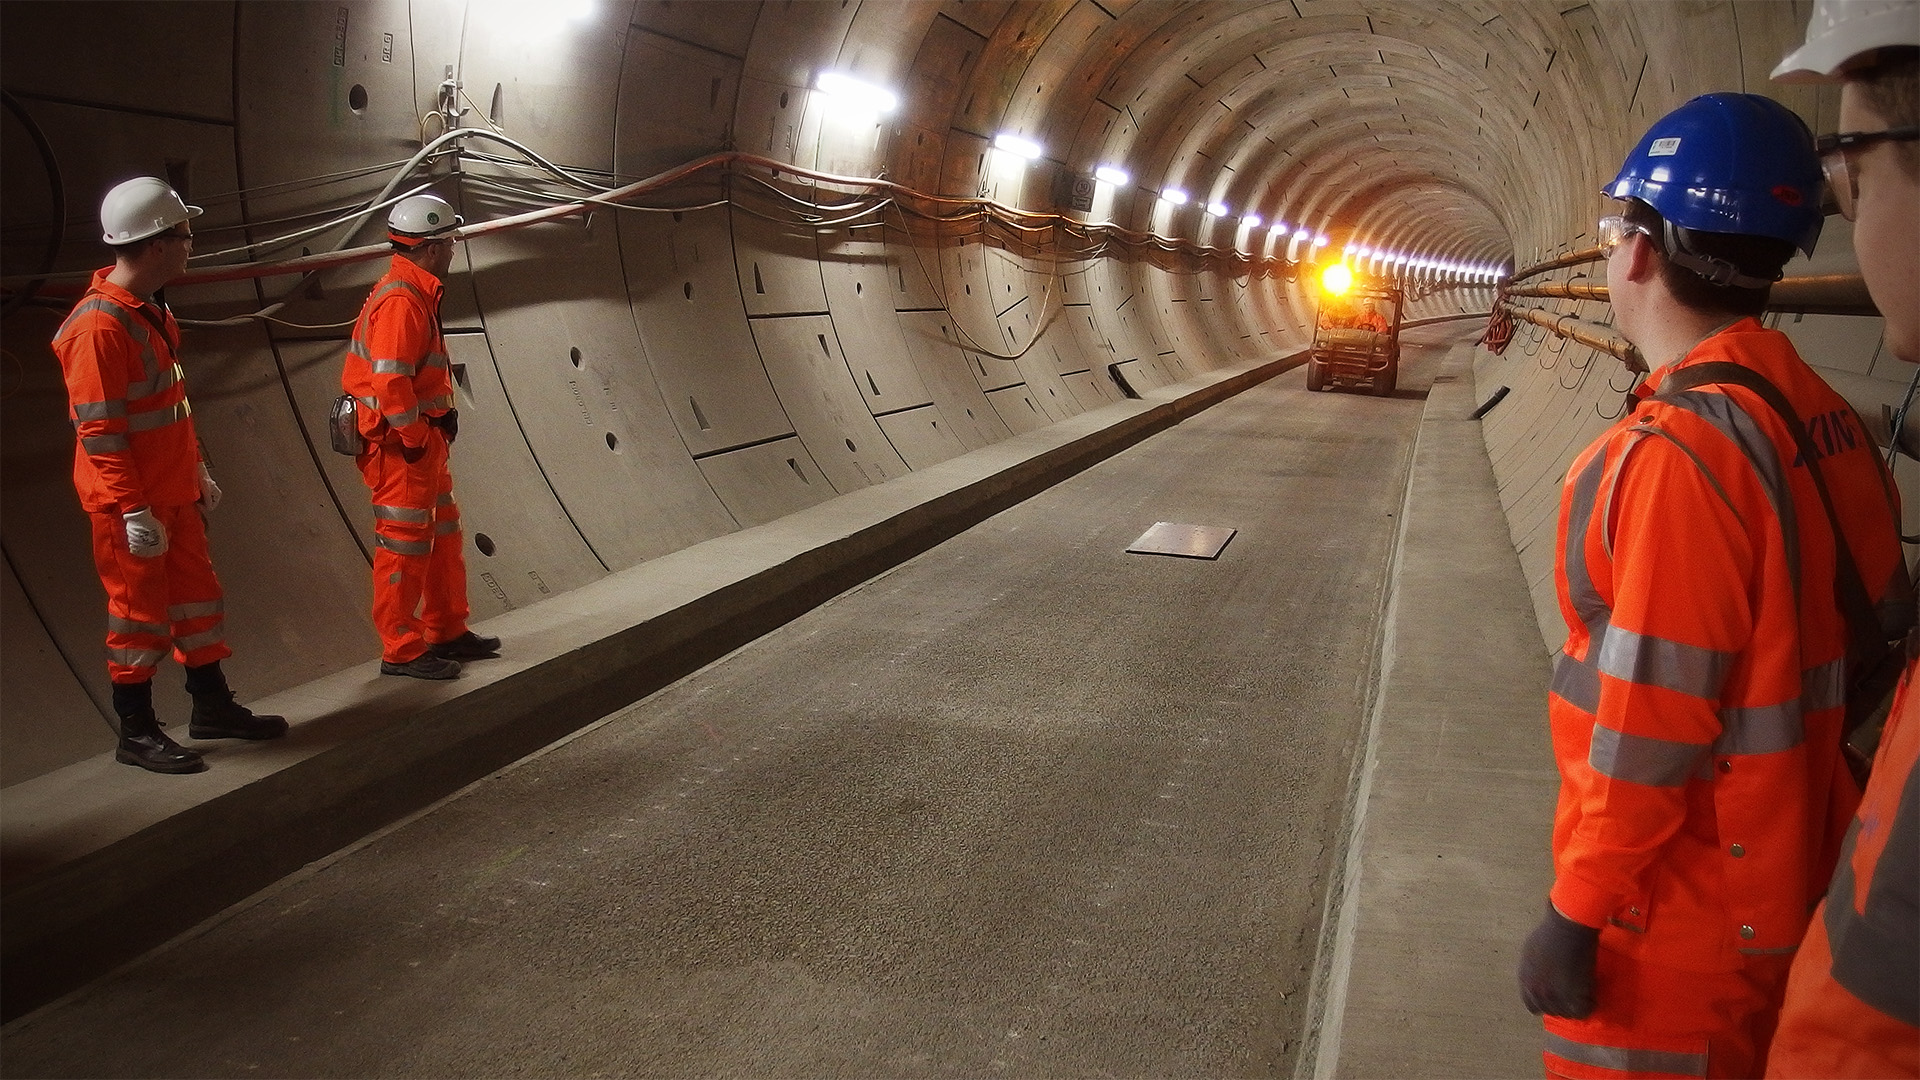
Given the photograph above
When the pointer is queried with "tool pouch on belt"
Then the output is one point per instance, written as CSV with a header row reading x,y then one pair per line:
x,y
343,427
1878,639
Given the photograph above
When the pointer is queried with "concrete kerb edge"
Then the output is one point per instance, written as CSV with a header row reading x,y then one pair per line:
x,y
71,923
1326,1005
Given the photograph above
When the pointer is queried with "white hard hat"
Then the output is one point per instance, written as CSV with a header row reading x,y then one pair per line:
x,y
142,207
419,217
1841,30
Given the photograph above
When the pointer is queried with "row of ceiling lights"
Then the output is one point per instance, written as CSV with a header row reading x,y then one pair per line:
x,y
863,102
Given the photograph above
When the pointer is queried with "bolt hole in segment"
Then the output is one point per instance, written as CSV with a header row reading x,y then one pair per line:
x,y
484,543
574,355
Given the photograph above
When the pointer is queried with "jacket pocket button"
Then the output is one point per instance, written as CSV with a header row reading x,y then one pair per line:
x,y
1737,850
1746,932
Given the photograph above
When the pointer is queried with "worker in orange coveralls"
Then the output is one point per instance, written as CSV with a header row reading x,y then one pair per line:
x,y
1698,703
139,473
397,371
1853,998
1371,319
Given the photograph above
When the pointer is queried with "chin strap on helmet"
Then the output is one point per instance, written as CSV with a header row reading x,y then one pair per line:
x,y
1716,270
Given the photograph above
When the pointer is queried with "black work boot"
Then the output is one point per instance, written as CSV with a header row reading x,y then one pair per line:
x,y
217,716
142,742
468,646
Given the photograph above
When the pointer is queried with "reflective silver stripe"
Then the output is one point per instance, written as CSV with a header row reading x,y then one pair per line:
x,y
1674,665
118,625
1585,598
157,418
372,404
105,444
402,513
441,401
436,360
403,547
1762,729
137,657
201,640
1726,415
392,367
135,328
1642,759
1876,950
1576,683
445,499
182,612
155,384
1781,951
358,348
1626,1059
1824,687
402,419
446,528
99,410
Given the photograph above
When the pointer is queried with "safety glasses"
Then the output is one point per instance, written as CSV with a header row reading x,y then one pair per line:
x,y
1614,230
1842,177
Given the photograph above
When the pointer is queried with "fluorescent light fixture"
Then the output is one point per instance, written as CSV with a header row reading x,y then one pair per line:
x,y
1302,233
1108,174
849,93
1173,195
1252,220
1217,209
1321,241
1017,146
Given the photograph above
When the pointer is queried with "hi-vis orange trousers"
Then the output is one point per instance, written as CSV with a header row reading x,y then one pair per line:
x,y
1657,1021
419,573
169,601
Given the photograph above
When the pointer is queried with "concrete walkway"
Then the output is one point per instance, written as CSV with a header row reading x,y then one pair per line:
x,y
1137,899
1447,866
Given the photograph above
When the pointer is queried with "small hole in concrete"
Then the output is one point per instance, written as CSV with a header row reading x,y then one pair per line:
x,y
484,543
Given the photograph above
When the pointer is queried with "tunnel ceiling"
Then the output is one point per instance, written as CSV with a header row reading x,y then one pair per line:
x,y
1393,125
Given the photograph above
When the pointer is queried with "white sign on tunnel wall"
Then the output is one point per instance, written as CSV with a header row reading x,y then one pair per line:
x,y
1074,191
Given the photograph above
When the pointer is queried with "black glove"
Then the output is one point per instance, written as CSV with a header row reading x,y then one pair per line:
x,y
448,423
1556,967
412,454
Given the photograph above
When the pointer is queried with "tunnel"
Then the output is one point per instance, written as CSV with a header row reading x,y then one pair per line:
x,y
758,303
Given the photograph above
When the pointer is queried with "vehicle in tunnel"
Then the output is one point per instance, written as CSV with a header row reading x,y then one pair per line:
x,y
1356,339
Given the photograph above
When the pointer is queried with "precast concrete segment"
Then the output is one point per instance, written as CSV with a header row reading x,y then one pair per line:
x,y
1448,861
101,862
1026,804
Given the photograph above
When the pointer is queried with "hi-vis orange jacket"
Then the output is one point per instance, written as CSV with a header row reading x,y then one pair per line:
x,y
1853,1000
1697,704
127,401
397,361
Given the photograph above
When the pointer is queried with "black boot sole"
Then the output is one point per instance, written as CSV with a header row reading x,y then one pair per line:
x,y
180,768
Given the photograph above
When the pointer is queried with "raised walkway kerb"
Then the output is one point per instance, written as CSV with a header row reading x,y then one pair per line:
x,y
1447,863
101,861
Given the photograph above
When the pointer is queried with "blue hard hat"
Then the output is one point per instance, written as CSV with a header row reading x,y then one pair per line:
x,y
1729,163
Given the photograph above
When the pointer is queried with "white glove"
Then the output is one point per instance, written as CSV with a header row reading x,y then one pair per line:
x,y
145,536
209,491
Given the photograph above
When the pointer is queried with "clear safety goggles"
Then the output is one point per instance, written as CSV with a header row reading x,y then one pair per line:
x,y
1835,162
1614,229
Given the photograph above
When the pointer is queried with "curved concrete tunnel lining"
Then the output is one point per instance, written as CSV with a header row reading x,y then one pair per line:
x,y
711,398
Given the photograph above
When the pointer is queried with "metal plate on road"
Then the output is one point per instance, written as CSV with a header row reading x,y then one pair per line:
x,y
1185,541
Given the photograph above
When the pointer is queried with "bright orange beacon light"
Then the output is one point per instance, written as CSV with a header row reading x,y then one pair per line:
x,y
1336,279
